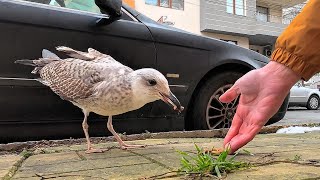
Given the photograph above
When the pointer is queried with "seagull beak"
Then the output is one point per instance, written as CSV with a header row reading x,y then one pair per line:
x,y
172,101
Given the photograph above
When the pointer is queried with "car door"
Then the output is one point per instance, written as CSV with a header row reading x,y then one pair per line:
x,y
181,58
298,94
28,27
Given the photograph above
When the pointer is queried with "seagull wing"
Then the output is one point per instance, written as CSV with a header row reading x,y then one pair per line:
x,y
91,55
76,54
48,54
74,79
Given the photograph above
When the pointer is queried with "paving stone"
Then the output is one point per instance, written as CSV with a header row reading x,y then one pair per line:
x,y
28,178
3,173
153,149
55,158
125,172
80,147
6,163
135,172
74,166
278,171
112,153
171,160
64,148
161,155
167,148
197,140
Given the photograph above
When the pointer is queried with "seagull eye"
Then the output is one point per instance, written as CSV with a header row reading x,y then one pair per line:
x,y
152,82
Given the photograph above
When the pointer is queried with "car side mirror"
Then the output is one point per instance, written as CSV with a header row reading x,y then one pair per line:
x,y
111,8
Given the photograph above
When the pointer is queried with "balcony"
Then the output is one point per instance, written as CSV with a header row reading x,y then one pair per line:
x,y
282,3
259,18
270,25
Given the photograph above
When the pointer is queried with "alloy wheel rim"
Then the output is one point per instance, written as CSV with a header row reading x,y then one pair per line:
x,y
218,114
314,103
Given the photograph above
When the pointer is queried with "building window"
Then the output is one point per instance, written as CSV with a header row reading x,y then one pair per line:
x,y
235,7
174,4
262,14
230,41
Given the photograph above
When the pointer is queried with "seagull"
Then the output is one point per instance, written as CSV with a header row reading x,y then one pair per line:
x,y
95,82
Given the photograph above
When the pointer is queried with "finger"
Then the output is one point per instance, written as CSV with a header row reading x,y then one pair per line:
x,y
242,139
230,94
239,141
234,129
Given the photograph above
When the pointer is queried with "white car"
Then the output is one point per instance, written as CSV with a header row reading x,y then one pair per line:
x,y
304,97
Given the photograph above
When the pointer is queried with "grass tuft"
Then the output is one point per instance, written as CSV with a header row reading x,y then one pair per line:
x,y
26,153
296,158
204,163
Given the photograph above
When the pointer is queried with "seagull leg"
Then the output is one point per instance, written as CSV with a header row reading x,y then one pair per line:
x,y
123,145
85,128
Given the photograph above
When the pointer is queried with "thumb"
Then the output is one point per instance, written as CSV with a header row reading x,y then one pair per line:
x,y
230,94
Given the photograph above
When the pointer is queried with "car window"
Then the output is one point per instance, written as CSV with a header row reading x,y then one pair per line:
x,y
299,84
82,5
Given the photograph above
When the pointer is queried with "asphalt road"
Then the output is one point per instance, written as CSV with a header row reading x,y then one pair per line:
x,y
297,115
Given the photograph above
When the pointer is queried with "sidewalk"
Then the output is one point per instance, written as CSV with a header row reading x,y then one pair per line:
x,y
279,156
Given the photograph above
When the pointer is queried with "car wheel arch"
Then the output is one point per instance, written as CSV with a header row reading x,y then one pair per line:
x,y
314,94
234,66
308,102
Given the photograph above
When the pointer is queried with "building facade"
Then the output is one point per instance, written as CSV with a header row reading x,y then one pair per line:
x,y
253,24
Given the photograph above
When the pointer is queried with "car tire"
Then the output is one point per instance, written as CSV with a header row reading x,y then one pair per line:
x,y
208,112
313,102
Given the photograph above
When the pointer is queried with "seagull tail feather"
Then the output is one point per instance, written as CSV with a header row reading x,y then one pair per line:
x,y
38,64
26,62
29,63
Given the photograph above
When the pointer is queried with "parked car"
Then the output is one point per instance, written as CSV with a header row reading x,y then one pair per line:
x,y
304,97
199,69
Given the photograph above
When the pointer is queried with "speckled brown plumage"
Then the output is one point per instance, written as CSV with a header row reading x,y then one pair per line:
x,y
95,82
76,79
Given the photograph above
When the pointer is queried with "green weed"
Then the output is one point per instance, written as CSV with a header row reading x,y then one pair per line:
x,y
203,163
297,157
26,153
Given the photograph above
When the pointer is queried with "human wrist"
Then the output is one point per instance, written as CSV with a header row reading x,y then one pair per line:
x,y
280,72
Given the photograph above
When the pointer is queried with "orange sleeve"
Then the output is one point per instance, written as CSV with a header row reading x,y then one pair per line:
x,y
298,47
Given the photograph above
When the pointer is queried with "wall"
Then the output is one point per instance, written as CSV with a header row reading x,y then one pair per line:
x,y
131,3
214,17
275,11
187,19
274,27
275,14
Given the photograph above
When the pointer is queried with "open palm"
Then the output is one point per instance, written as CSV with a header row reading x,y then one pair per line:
x,y
262,94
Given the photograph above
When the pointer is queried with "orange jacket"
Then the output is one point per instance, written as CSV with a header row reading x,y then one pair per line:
x,y
298,47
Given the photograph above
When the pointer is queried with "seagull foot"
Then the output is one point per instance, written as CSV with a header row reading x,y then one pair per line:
x,y
126,146
93,150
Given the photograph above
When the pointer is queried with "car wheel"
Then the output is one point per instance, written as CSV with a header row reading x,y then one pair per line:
x,y
313,102
208,112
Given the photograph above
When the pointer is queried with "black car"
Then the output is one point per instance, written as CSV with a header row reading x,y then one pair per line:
x,y
199,70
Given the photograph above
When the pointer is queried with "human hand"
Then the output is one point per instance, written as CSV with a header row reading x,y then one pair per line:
x,y
262,93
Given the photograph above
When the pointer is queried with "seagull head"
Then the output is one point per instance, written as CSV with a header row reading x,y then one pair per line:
x,y
150,85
